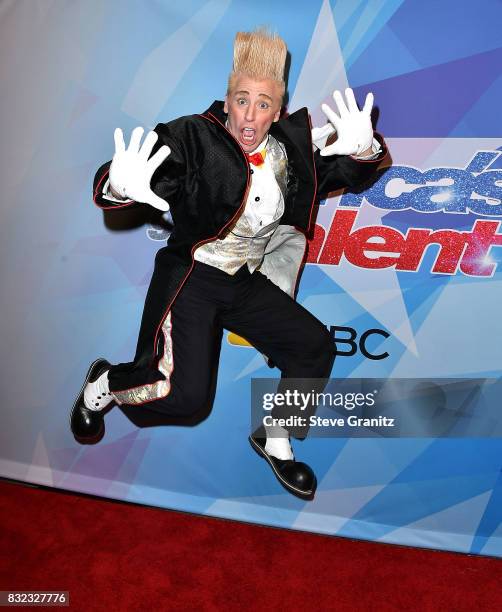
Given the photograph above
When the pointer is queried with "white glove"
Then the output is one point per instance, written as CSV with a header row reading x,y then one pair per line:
x,y
131,170
320,134
355,132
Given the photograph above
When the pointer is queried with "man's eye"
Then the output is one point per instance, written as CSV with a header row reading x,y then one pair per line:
x,y
263,105
241,101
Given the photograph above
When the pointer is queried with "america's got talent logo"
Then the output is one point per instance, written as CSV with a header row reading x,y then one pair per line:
x,y
459,191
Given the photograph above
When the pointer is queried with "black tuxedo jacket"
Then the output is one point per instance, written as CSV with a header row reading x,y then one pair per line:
x,y
205,181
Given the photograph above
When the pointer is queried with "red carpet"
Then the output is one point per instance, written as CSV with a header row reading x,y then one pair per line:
x,y
115,555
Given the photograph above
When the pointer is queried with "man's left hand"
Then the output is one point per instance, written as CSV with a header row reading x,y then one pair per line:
x,y
353,127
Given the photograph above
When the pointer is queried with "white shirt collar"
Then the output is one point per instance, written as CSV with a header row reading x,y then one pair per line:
x,y
262,144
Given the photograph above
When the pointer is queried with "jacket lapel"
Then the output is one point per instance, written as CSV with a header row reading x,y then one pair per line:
x,y
279,161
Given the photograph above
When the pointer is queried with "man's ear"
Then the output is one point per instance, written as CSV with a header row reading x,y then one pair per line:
x,y
277,115
225,105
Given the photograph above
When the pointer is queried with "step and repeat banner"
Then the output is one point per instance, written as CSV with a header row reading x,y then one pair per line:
x,y
405,275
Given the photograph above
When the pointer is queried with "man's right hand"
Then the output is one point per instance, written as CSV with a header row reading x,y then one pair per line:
x,y
131,171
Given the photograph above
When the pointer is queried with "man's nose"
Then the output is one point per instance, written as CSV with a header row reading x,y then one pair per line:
x,y
250,113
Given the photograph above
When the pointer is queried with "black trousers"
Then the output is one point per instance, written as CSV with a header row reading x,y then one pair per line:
x,y
249,305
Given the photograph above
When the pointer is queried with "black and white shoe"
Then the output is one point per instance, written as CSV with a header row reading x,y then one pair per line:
x,y
88,426
295,476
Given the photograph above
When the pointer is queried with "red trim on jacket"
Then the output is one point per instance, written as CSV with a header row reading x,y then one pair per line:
x,y
201,242
315,176
99,192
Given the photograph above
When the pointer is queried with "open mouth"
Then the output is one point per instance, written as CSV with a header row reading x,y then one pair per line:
x,y
248,135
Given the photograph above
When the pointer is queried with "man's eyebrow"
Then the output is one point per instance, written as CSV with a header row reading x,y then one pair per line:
x,y
243,91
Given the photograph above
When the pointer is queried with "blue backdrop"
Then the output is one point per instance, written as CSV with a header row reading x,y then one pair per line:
x,y
73,286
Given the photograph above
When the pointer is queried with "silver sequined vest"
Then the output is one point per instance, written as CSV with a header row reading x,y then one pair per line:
x,y
243,244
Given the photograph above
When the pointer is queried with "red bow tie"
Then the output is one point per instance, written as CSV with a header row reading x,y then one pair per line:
x,y
257,159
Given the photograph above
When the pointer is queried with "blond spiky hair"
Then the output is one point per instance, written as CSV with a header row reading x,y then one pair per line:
x,y
259,55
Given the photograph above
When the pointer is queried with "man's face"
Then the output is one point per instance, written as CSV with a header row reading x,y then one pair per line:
x,y
252,107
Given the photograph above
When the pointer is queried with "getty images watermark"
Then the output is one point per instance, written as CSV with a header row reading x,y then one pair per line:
x,y
379,407
300,400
